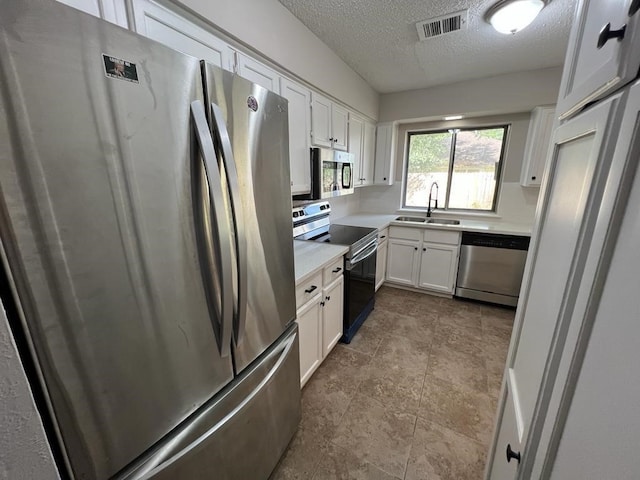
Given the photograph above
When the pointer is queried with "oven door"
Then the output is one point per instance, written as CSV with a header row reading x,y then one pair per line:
x,y
360,288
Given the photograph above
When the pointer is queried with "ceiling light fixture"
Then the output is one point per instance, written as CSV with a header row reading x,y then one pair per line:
x,y
511,16
453,117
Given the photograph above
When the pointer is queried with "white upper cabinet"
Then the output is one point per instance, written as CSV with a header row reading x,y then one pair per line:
x,y
362,137
537,147
603,53
299,130
257,72
113,11
339,127
329,123
165,26
385,154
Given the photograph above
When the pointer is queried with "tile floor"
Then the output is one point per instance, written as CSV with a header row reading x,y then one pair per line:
x,y
412,397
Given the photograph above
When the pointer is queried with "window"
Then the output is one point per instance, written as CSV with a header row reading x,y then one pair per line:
x,y
465,164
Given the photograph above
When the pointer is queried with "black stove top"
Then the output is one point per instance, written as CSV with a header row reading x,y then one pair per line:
x,y
346,235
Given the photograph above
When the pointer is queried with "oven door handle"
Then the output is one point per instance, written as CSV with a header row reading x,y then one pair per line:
x,y
363,254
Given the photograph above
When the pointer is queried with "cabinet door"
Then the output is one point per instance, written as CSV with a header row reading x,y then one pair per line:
x,y
438,265
368,154
309,319
356,139
402,261
591,72
381,264
385,154
299,131
339,127
258,73
582,149
321,121
537,147
113,11
332,318
163,25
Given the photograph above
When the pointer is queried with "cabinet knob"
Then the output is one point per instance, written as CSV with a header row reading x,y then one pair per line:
x,y
634,7
336,270
424,249
331,139
415,248
322,304
310,289
607,34
533,178
327,298
384,178
511,454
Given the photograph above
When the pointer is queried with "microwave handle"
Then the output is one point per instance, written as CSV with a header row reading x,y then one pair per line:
x,y
350,177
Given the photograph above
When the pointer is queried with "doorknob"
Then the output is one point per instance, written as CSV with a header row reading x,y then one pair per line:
x,y
511,454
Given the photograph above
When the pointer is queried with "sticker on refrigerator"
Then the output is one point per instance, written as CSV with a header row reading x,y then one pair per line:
x,y
120,69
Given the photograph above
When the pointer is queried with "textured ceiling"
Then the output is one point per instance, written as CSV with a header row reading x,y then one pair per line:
x,y
378,39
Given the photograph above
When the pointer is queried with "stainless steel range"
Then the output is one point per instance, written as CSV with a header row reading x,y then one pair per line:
x,y
312,222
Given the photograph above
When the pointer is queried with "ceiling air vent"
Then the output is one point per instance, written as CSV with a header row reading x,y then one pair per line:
x,y
434,27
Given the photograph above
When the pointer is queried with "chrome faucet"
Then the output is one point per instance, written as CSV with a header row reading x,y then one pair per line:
x,y
434,184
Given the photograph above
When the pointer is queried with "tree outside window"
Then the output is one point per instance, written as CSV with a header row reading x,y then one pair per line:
x,y
465,163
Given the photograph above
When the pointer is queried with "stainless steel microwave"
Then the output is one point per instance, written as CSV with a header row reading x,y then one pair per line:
x,y
331,174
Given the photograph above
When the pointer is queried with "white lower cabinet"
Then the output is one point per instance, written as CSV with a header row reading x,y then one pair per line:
x,y
332,315
438,265
309,320
423,258
381,258
319,317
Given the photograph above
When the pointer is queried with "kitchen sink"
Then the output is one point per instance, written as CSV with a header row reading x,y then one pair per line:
x,y
411,219
443,221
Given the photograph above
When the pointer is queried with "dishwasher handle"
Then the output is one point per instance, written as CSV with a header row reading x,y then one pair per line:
x,y
495,240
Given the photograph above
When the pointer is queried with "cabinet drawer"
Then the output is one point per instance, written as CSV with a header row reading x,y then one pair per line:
x,y
442,236
383,235
333,271
308,289
405,233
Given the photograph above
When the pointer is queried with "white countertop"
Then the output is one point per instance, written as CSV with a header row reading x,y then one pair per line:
x,y
383,221
309,256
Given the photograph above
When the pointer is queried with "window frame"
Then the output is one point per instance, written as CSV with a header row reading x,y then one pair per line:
x,y
503,152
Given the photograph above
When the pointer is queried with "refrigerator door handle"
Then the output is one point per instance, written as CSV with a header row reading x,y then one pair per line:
x,y
221,227
219,129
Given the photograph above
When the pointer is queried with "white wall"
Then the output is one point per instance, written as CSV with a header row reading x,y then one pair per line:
x,y
518,92
24,450
516,204
269,28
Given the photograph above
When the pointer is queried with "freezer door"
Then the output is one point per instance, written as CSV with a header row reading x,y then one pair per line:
x,y
250,127
243,432
99,173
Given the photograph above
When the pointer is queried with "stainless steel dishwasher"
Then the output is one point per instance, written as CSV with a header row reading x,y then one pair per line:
x,y
491,267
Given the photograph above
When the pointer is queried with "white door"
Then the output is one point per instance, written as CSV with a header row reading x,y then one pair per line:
x,y
402,261
381,264
356,138
593,431
591,72
553,265
309,319
299,130
258,73
339,127
368,154
332,318
437,267
321,121
165,26
385,152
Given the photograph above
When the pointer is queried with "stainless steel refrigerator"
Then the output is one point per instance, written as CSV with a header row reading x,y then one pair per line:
x,y
146,250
